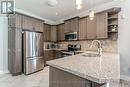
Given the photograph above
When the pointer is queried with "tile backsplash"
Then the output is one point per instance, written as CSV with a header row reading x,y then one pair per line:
x,y
108,45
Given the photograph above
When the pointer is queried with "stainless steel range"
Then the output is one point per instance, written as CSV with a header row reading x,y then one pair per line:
x,y
72,50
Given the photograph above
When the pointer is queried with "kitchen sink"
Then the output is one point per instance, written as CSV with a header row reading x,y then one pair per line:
x,y
90,55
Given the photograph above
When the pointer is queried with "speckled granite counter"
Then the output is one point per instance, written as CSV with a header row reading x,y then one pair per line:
x,y
97,69
52,49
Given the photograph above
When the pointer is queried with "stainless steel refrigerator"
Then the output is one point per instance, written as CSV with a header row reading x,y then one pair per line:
x,y
32,52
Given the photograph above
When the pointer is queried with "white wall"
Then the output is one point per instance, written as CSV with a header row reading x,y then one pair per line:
x,y
124,38
3,44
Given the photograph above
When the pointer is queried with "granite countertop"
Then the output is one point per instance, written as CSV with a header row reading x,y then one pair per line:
x,y
97,69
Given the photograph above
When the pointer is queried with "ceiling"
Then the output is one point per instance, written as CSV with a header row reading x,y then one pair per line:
x,y
64,8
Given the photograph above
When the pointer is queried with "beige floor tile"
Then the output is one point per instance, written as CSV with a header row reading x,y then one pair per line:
x,y
39,79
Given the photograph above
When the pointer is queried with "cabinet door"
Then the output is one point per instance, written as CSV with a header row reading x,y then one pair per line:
x,y
74,25
53,34
18,23
11,20
91,28
57,54
27,23
47,32
48,55
38,25
67,26
15,50
83,28
60,32
102,25
15,21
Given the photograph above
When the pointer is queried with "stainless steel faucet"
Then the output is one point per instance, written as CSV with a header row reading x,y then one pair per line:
x,y
99,46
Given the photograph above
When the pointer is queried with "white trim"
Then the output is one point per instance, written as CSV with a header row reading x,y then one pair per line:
x,y
1,72
4,72
36,16
84,13
96,9
124,77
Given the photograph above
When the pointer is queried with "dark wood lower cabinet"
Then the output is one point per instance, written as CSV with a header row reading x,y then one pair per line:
x,y
60,78
57,54
51,55
48,55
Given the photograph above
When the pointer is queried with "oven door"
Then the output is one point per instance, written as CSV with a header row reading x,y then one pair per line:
x,y
66,54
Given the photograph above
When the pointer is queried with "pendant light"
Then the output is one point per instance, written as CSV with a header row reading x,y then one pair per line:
x,y
52,2
78,4
91,12
91,15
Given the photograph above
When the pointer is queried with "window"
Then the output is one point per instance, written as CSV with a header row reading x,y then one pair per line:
x,y
7,7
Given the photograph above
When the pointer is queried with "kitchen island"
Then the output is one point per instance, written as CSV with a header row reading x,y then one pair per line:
x,y
81,71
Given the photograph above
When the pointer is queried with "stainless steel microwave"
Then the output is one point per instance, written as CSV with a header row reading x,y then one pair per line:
x,y
71,36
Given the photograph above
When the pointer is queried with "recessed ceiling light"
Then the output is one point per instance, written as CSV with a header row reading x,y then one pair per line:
x,y
56,13
78,4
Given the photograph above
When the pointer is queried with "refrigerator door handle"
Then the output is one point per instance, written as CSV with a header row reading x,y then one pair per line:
x,y
34,42
36,46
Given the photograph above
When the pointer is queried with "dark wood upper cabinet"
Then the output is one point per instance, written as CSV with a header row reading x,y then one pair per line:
x,y
38,25
91,28
15,21
97,28
67,26
50,33
30,23
53,33
61,32
47,32
83,28
102,30
27,23
72,25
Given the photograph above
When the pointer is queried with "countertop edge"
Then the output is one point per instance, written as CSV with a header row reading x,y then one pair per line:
x,y
76,73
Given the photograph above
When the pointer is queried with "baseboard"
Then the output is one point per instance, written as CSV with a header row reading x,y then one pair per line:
x,y
4,72
124,77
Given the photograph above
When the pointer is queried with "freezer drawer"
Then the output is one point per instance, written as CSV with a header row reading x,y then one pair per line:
x,y
33,64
